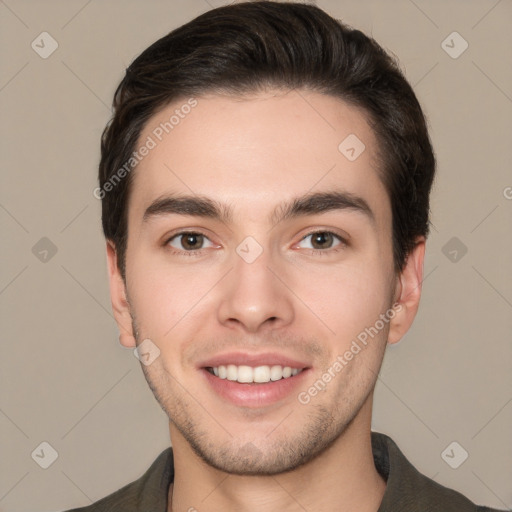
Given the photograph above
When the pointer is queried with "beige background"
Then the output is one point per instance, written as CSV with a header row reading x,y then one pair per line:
x,y
64,377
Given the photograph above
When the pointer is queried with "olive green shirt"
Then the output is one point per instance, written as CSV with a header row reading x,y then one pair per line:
x,y
407,490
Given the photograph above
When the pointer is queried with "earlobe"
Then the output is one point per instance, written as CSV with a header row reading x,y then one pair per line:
x,y
118,297
408,293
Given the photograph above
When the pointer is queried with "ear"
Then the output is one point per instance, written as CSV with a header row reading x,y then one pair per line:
x,y
118,297
408,293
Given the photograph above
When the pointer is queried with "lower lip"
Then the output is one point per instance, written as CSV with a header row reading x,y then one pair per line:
x,y
255,394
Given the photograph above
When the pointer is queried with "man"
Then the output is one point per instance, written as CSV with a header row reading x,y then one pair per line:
x,y
265,189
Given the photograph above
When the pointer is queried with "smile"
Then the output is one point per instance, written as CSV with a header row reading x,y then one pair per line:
x,y
260,374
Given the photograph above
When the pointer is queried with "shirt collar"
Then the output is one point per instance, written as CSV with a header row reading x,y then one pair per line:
x,y
402,479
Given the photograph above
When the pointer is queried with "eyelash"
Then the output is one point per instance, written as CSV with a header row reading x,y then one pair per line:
x,y
196,252
330,250
318,252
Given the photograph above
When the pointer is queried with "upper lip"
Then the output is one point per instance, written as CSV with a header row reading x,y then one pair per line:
x,y
254,360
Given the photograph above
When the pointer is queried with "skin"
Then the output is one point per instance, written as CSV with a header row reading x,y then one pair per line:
x,y
254,153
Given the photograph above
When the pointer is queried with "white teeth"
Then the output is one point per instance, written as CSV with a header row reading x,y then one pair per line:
x,y
245,374
232,372
276,373
260,374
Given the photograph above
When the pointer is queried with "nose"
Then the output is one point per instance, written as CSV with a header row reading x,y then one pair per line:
x,y
253,298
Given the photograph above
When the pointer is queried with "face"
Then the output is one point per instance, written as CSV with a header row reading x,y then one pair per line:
x,y
258,253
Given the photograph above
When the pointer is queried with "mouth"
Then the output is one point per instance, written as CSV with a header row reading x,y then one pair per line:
x,y
248,375
254,382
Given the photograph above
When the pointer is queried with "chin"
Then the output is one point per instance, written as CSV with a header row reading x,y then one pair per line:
x,y
266,457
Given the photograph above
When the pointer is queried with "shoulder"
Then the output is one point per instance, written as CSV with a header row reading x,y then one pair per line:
x,y
408,490
149,492
123,499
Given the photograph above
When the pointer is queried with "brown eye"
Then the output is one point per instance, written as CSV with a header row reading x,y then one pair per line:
x,y
188,241
191,241
321,240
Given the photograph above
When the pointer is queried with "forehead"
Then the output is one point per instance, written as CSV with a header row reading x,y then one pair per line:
x,y
256,151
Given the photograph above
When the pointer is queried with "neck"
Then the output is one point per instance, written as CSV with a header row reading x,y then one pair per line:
x,y
344,475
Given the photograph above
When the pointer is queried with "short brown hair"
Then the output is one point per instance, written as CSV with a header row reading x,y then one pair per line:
x,y
252,46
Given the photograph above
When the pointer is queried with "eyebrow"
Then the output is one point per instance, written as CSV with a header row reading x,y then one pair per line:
x,y
308,204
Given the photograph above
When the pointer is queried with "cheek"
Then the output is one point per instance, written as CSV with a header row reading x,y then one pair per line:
x,y
347,298
165,298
